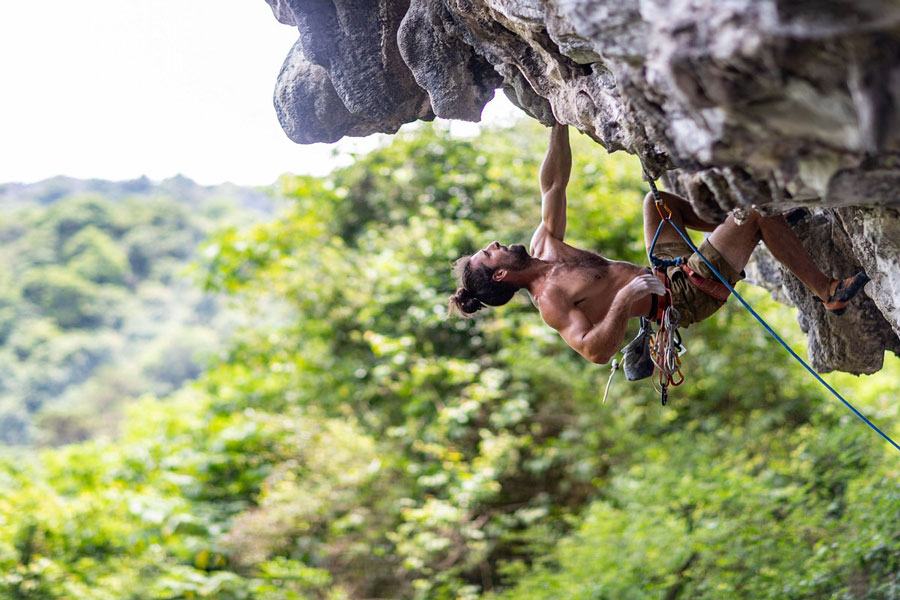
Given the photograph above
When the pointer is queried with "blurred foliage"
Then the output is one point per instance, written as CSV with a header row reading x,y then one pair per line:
x,y
96,257
370,447
92,285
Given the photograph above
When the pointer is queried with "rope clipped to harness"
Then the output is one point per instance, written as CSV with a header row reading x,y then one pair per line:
x,y
665,345
659,352
755,315
655,261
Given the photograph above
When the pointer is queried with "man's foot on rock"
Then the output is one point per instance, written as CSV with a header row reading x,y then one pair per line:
x,y
843,290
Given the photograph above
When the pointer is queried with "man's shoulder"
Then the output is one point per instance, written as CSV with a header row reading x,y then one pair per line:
x,y
541,242
546,247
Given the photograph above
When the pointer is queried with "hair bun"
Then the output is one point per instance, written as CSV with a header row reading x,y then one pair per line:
x,y
466,302
472,305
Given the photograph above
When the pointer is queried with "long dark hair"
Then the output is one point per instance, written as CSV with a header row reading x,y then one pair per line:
x,y
478,289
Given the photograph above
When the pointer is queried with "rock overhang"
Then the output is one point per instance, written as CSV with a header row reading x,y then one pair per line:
x,y
770,104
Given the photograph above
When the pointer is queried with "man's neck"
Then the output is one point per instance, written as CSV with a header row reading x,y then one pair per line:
x,y
534,277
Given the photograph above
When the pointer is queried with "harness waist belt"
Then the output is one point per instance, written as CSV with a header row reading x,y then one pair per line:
x,y
711,287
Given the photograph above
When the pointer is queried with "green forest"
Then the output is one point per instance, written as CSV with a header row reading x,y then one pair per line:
x,y
302,420
96,306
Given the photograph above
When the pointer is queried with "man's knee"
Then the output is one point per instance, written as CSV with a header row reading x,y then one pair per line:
x,y
753,221
650,209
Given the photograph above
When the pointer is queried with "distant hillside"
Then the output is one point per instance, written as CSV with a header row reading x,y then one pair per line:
x,y
186,191
96,301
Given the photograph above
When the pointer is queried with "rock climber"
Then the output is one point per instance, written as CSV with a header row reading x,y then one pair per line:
x,y
589,299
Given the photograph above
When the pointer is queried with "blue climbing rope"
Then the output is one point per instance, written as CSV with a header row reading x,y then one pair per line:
x,y
657,262
771,331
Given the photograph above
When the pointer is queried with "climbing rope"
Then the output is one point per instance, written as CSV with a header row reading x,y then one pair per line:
x,y
656,261
687,239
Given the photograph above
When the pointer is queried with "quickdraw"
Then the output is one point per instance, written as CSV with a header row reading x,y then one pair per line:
x,y
665,351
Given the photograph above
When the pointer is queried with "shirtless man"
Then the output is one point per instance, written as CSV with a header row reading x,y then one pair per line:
x,y
589,299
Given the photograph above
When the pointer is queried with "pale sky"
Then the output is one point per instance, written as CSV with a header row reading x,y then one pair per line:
x,y
116,89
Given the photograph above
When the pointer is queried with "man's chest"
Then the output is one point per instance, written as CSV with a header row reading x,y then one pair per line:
x,y
590,289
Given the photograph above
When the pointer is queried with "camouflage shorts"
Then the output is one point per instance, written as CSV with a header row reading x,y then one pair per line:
x,y
693,304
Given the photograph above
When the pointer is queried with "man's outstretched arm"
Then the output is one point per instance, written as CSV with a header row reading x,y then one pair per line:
x,y
597,343
554,177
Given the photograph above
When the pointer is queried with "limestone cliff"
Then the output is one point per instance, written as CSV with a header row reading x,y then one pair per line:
x,y
771,104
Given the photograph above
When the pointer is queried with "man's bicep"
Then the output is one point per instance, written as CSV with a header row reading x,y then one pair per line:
x,y
553,211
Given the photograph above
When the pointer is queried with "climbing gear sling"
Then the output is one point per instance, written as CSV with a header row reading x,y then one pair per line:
x,y
613,367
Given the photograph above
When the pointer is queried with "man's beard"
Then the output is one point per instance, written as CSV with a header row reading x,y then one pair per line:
x,y
521,255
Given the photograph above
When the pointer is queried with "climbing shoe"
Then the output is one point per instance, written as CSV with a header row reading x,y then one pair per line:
x,y
843,290
636,361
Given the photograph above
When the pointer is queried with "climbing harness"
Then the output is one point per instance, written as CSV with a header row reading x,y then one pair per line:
x,y
655,261
665,345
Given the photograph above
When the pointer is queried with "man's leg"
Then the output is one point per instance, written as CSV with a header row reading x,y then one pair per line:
x,y
682,214
784,245
736,243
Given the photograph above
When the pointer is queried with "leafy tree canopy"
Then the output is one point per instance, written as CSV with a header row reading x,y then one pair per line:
x,y
370,447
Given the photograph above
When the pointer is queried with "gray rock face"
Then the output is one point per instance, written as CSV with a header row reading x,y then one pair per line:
x,y
770,104
458,80
345,75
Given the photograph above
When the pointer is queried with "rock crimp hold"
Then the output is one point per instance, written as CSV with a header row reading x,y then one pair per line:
x,y
769,104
